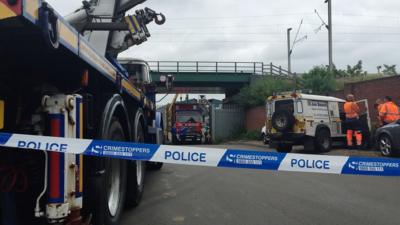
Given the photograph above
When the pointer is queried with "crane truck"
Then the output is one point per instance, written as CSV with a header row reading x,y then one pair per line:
x,y
60,77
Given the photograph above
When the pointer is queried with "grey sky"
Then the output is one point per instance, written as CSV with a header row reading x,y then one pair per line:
x,y
255,30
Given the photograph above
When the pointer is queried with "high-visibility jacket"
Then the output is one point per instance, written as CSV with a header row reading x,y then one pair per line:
x,y
351,109
379,107
389,112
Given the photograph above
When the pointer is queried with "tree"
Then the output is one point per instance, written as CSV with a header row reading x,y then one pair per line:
x,y
319,80
256,93
339,73
356,70
389,70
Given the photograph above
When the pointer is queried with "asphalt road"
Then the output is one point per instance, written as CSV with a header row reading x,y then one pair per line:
x,y
199,195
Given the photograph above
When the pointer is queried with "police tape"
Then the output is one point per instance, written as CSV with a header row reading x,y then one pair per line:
x,y
202,156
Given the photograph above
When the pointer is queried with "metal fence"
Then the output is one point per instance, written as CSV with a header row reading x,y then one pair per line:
x,y
226,120
254,68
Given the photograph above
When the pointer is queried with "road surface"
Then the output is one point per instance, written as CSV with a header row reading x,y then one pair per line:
x,y
199,195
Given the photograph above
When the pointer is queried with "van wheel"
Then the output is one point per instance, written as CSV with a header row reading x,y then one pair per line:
x,y
136,169
323,140
284,147
107,189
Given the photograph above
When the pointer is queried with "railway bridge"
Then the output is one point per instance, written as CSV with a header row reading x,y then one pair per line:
x,y
210,77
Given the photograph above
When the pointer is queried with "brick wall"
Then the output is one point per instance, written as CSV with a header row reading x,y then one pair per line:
x,y
372,90
255,118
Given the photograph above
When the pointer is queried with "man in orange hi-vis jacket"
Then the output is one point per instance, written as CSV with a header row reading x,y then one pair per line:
x,y
389,111
352,122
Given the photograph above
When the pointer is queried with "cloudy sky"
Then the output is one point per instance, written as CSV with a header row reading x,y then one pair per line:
x,y
255,30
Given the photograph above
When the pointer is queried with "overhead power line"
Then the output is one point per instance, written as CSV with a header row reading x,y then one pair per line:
x,y
243,27
282,14
272,41
238,17
269,33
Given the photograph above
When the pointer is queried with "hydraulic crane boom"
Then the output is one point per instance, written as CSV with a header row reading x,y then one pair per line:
x,y
105,25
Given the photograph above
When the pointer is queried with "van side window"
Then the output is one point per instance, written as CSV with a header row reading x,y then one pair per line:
x,y
299,106
269,110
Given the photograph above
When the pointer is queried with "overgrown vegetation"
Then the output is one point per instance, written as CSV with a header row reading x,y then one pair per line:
x,y
389,70
256,93
240,135
318,79
243,134
357,71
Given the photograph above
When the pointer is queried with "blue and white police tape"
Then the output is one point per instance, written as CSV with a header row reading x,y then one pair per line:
x,y
211,157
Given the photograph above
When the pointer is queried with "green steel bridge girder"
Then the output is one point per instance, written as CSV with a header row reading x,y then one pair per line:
x,y
206,78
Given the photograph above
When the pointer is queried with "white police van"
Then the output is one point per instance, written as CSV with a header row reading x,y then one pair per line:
x,y
294,118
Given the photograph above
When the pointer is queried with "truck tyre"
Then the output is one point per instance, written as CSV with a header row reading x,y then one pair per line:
x,y
283,147
109,186
283,120
136,173
323,140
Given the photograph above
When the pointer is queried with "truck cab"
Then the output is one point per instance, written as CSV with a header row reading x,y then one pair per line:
x,y
188,123
139,71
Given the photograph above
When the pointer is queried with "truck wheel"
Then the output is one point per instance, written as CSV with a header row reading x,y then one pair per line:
x,y
282,147
323,140
136,174
109,186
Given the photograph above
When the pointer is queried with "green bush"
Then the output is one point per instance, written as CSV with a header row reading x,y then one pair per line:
x,y
256,93
319,80
243,134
